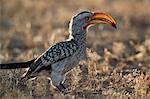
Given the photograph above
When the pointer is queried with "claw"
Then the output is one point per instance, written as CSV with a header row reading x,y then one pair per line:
x,y
61,88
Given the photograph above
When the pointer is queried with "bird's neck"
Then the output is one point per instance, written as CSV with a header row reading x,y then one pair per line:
x,y
79,35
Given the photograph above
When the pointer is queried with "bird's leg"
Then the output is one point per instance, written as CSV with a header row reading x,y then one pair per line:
x,y
22,80
57,79
61,87
26,75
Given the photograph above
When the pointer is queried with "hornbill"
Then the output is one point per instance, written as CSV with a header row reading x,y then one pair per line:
x,y
64,56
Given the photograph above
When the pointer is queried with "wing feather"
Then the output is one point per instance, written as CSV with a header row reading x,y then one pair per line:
x,y
56,53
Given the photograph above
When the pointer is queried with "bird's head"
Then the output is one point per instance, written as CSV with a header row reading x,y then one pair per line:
x,y
84,19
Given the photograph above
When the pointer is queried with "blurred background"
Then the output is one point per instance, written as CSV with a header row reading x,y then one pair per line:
x,y
119,59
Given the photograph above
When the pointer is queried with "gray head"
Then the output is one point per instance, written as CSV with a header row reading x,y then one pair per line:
x,y
82,18
81,21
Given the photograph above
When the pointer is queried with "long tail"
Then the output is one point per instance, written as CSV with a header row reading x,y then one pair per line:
x,y
17,65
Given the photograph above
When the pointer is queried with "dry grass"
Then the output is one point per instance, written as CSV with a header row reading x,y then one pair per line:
x,y
119,66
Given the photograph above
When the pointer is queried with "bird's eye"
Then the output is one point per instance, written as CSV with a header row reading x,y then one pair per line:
x,y
87,18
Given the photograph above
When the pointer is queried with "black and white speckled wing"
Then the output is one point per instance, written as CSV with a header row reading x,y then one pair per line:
x,y
55,53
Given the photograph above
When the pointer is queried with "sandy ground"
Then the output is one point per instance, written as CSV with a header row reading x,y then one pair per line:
x,y
119,60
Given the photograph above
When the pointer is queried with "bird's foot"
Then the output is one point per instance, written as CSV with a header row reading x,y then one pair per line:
x,y
61,88
21,84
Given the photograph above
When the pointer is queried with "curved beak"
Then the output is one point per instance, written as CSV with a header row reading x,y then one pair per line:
x,y
99,17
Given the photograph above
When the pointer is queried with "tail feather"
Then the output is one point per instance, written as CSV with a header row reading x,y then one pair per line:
x,y
17,65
